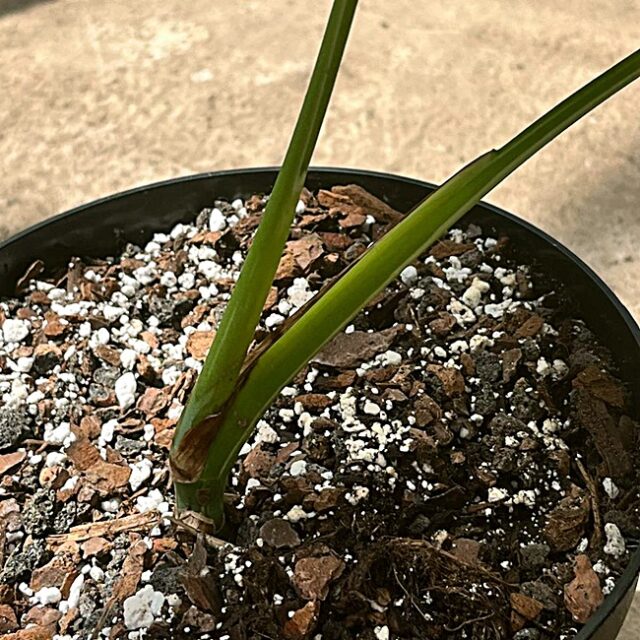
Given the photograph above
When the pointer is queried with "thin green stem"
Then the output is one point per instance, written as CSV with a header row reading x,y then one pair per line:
x,y
219,376
224,361
380,264
237,327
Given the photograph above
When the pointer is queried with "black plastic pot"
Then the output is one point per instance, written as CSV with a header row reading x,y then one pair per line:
x,y
100,228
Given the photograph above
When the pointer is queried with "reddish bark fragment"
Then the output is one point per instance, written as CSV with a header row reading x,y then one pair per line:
x,y
42,617
601,385
593,415
451,379
314,401
199,584
52,574
567,522
11,460
447,248
53,325
32,633
90,427
306,250
301,624
154,401
583,595
108,354
199,342
528,608
348,350
95,547
312,576
380,210
529,327
258,462
8,620
104,476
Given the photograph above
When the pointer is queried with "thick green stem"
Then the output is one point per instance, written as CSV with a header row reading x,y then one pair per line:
x,y
380,264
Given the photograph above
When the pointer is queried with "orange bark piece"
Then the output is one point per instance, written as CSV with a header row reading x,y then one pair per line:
x,y
301,624
312,576
199,342
583,595
10,460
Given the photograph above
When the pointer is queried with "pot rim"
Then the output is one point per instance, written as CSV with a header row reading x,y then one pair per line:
x,y
626,581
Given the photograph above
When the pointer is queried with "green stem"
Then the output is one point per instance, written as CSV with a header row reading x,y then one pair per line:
x,y
381,264
221,369
237,327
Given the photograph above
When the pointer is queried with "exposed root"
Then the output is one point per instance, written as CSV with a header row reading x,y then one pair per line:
x,y
469,595
468,622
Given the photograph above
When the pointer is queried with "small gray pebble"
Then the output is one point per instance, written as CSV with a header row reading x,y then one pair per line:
x,y
38,513
14,425
65,518
128,447
106,376
534,556
20,563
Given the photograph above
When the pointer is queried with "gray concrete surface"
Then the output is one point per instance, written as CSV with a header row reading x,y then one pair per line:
x,y
99,96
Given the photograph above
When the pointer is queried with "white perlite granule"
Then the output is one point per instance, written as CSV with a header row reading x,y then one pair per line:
x,y
15,330
615,542
382,633
610,488
47,595
125,389
142,607
217,220
140,472
409,275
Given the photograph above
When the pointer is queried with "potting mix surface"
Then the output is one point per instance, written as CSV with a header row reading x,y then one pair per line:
x,y
459,463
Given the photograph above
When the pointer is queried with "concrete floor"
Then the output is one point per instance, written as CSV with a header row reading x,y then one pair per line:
x,y
631,628
100,96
